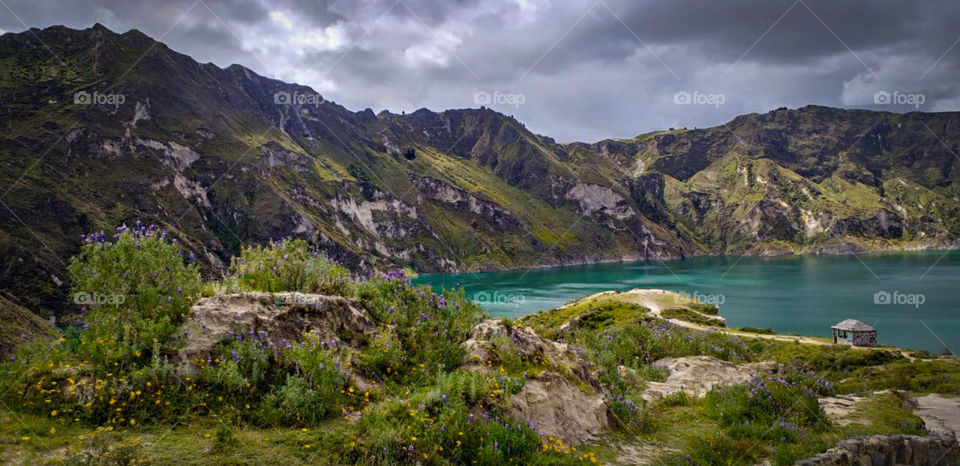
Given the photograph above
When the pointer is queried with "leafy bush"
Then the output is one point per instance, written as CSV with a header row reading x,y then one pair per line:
x,y
135,288
460,420
427,328
780,408
286,265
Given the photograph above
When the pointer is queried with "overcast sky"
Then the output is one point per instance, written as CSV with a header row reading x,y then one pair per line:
x,y
570,69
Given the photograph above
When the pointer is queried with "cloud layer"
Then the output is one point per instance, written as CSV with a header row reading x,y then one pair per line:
x,y
571,69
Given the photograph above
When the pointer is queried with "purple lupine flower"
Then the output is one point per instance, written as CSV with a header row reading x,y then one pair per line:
x,y
236,357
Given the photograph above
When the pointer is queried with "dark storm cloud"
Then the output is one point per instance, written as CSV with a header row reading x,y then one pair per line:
x,y
585,69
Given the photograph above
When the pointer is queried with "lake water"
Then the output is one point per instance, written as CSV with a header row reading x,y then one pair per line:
x,y
911,298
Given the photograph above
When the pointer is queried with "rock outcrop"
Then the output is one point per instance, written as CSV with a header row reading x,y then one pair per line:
x,y
940,414
550,401
560,409
276,317
697,375
883,450
529,345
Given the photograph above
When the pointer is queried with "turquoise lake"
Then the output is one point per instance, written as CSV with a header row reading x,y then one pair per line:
x,y
911,298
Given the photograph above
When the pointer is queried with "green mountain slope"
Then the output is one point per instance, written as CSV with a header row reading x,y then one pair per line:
x,y
209,154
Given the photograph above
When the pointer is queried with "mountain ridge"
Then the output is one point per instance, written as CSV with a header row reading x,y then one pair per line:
x,y
210,154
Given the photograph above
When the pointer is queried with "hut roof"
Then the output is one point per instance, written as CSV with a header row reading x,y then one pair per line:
x,y
852,325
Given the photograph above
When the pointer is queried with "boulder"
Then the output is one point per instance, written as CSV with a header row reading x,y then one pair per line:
x,y
275,317
479,348
697,375
556,407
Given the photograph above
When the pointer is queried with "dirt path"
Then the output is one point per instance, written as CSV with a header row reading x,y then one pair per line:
x,y
657,300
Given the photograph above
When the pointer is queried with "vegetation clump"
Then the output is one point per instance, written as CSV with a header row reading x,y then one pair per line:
x,y
397,396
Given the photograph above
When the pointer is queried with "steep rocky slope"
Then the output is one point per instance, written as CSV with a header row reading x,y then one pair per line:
x,y
219,158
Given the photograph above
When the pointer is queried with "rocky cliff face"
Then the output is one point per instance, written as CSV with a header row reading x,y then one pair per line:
x,y
117,127
879,450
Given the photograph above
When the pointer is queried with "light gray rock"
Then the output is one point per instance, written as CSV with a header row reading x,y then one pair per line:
x,y
479,348
279,316
697,375
883,450
559,409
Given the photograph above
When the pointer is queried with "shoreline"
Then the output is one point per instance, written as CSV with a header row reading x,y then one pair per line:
x,y
695,256
747,312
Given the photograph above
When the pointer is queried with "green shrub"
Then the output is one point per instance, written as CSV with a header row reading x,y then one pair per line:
x,y
708,309
135,288
428,328
286,265
781,409
691,316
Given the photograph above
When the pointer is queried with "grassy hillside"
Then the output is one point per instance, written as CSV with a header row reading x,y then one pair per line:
x,y
288,358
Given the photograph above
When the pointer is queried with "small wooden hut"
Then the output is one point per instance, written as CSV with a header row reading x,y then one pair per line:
x,y
855,333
